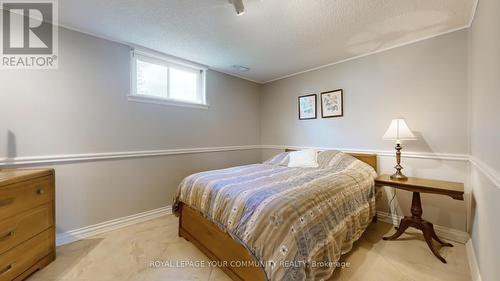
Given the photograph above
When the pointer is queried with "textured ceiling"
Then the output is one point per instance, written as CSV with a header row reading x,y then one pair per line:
x,y
274,38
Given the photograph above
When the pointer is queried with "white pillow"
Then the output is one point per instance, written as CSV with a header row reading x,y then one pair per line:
x,y
307,158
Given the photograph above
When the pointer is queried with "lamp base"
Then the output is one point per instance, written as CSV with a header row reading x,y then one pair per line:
x,y
398,176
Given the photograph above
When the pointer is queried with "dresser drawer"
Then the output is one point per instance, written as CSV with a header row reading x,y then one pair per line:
x,y
22,257
19,197
17,229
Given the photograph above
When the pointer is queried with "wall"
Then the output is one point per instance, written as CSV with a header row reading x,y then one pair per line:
x,y
485,136
80,111
425,82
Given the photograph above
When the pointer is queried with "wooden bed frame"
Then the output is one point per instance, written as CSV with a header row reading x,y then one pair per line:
x,y
222,248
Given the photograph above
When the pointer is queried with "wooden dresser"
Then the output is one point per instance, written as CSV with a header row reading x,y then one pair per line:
x,y
27,220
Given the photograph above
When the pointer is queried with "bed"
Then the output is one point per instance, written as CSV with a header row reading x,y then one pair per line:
x,y
271,222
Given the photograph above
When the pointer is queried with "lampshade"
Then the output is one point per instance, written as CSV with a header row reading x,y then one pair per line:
x,y
398,130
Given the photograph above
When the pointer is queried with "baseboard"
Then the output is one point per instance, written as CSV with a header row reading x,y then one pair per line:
x,y
88,231
442,231
473,265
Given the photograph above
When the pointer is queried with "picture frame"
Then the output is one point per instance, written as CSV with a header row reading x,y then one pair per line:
x,y
332,104
307,107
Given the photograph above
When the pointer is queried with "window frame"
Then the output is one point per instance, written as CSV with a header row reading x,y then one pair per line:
x,y
169,62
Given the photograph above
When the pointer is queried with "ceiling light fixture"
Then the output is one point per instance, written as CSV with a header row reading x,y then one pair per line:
x,y
241,68
238,6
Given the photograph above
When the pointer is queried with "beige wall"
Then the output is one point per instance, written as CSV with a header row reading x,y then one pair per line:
x,y
82,108
96,191
425,82
485,136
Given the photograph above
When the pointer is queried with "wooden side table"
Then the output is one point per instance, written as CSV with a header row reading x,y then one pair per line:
x,y
417,185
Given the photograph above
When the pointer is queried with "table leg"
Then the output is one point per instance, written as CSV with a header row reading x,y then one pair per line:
x,y
403,225
428,239
430,228
416,221
416,206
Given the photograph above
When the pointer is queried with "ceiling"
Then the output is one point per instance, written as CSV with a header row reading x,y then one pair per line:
x,y
275,38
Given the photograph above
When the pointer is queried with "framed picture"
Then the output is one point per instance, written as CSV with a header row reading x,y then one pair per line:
x,y
332,104
307,107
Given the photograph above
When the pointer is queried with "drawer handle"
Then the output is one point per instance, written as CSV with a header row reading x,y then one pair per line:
x,y
7,235
40,191
5,202
7,269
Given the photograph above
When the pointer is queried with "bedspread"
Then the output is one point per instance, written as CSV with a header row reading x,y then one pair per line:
x,y
296,222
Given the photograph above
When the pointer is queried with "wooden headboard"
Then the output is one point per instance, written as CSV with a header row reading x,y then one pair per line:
x,y
370,159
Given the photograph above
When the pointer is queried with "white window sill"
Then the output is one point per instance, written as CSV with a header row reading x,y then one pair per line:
x,y
170,102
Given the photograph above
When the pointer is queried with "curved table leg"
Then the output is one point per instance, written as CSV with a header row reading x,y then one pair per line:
x,y
430,227
416,221
403,225
428,239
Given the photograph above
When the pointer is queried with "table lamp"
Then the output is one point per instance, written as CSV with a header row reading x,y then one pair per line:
x,y
398,131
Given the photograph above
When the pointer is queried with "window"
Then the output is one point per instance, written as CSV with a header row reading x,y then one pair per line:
x,y
160,79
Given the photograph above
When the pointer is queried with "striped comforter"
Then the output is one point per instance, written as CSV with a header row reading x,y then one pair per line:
x,y
297,222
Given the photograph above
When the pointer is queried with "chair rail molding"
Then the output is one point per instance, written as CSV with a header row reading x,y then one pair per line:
x,y
381,153
69,158
85,157
487,170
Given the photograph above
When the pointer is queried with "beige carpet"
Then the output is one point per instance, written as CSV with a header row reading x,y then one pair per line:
x,y
129,254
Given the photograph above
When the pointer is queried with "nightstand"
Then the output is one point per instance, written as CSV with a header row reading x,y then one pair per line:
x,y
417,185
